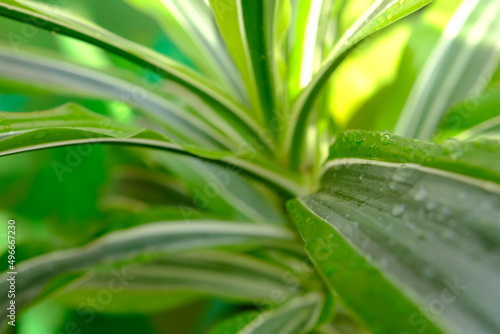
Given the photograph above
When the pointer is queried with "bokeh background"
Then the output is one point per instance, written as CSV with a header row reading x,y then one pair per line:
x,y
102,192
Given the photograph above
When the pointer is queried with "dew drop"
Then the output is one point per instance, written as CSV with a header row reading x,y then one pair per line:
x,y
397,177
448,233
357,137
40,134
430,272
453,149
398,210
420,195
430,206
385,138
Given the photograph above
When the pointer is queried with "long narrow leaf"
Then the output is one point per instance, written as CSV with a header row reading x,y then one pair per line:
x,y
467,52
154,239
74,125
55,19
302,55
61,77
247,27
299,315
189,24
241,278
381,14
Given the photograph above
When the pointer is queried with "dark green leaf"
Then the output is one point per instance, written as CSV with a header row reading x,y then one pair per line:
x,y
410,227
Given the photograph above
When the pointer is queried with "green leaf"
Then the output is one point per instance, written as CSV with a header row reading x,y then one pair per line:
x,y
73,125
70,124
62,77
55,19
128,301
247,28
299,315
461,64
379,15
223,191
302,59
236,277
189,24
144,242
473,117
407,232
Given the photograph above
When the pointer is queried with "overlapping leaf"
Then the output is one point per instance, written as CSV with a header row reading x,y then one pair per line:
x,y
460,65
151,240
237,277
73,125
474,117
59,77
55,19
381,14
299,315
189,24
247,28
411,227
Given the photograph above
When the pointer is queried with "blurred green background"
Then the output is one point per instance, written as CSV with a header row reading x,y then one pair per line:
x,y
58,211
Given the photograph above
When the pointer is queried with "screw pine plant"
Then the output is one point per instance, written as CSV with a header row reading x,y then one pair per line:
x,y
233,184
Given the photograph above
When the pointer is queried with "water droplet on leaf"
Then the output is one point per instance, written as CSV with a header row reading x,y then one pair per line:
x,y
398,209
420,195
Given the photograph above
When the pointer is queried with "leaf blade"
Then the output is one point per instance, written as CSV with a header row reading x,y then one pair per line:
x,y
154,239
381,14
63,131
55,19
396,230
299,315
464,57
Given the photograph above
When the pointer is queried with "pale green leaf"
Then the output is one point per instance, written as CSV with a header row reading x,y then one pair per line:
x,y
299,315
62,77
56,19
189,24
235,277
73,125
460,65
147,242
379,15
247,28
